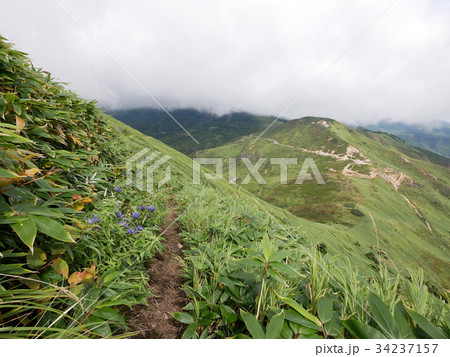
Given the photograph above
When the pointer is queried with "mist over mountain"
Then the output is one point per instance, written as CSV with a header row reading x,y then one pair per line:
x,y
211,130
294,58
204,129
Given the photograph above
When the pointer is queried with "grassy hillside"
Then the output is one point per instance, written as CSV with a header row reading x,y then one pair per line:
x,y
381,198
210,130
76,239
435,139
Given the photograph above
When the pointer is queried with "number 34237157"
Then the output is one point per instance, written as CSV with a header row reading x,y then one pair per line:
x,y
401,348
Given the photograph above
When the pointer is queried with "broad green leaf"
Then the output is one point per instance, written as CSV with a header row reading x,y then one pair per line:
x,y
382,316
252,325
52,228
33,281
425,325
2,106
116,302
361,330
4,206
251,262
11,136
108,313
277,276
301,310
100,326
228,314
267,247
229,284
13,269
294,316
91,298
30,207
286,331
20,194
7,174
325,309
241,336
284,268
37,258
183,317
61,267
401,318
333,327
280,255
107,277
26,230
10,220
17,109
275,326
189,333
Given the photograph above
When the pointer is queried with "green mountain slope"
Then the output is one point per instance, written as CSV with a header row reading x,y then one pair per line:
x,y
381,196
210,130
76,238
435,139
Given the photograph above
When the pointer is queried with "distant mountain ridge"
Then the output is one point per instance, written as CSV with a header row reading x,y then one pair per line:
x,y
435,138
209,129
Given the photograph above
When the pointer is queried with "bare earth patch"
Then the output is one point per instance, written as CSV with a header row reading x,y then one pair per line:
x,y
155,320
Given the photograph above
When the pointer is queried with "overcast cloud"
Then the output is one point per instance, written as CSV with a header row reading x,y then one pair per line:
x,y
255,56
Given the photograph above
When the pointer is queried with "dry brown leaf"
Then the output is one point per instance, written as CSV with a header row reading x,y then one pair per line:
x,y
76,140
32,172
78,206
20,123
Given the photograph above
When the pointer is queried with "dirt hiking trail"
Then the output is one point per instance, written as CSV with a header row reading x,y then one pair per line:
x,y
155,320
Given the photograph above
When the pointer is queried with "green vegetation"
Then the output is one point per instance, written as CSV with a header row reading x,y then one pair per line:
x,y
210,130
76,239
248,275
379,198
435,139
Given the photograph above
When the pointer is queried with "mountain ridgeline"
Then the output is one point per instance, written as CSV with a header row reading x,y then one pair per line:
x,y
208,129
435,138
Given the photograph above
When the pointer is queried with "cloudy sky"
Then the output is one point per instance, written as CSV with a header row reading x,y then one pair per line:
x,y
340,59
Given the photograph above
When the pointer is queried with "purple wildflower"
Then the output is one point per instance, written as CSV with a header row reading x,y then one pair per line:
x,y
118,214
131,231
90,221
96,219
124,224
140,228
151,208
117,189
142,207
135,214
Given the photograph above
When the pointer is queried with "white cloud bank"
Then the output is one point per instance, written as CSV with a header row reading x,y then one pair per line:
x,y
255,56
